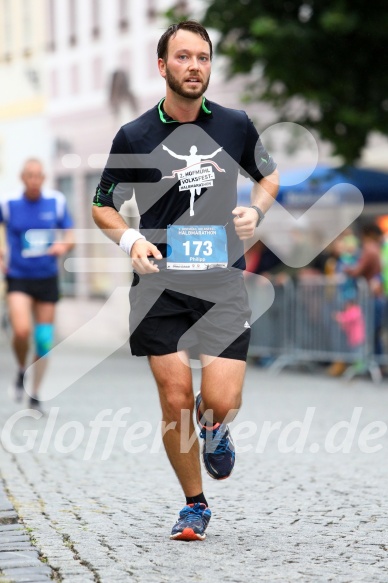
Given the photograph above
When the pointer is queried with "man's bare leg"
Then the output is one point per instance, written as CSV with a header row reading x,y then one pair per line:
x,y
19,309
218,403
44,313
221,388
174,382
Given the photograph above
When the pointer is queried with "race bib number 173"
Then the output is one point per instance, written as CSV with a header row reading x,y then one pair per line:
x,y
196,247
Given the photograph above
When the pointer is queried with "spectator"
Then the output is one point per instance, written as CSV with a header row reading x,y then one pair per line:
x,y
369,267
344,253
351,320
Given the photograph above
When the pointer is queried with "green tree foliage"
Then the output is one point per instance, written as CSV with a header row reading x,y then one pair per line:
x,y
321,63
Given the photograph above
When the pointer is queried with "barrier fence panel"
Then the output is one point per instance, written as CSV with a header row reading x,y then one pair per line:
x,y
318,319
380,309
334,322
272,333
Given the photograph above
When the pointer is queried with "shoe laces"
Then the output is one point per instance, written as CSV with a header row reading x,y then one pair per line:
x,y
192,513
219,442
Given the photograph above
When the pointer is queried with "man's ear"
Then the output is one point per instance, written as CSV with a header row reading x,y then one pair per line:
x,y
162,67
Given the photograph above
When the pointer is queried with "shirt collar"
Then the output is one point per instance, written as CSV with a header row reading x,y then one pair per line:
x,y
204,112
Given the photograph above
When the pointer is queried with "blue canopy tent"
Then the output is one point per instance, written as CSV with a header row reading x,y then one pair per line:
x,y
372,184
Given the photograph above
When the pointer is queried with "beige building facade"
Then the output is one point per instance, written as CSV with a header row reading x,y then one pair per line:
x,y
23,99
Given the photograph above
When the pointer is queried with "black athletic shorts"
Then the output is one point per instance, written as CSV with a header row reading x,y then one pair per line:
x,y
212,319
42,290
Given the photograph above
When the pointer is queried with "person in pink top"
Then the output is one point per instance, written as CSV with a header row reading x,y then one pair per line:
x,y
351,320
369,267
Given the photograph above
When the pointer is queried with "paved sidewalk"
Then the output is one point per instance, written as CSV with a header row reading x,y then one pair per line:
x,y
98,505
19,559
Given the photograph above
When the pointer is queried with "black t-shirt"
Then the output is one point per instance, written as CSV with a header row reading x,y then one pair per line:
x,y
169,164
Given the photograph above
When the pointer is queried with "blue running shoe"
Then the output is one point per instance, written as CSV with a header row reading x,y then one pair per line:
x,y
218,448
192,522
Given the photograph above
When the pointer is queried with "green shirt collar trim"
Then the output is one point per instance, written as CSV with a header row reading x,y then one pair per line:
x,y
167,119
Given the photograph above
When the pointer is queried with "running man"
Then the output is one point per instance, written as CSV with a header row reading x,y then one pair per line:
x,y
188,297
31,270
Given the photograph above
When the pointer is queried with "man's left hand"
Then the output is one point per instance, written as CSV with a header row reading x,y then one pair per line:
x,y
245,221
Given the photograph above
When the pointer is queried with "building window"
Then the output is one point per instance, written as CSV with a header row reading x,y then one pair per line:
x,y
92,180
97,71
181,8
54,92
96,18
121,94
72,22
27,27
151,10
51,25
152,70
98,256
7,30
67,278
123,15
33,77
74,79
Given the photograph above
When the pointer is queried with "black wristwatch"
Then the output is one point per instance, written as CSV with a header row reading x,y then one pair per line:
x,y
260,213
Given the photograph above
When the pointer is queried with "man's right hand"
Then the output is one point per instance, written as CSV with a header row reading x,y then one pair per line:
x,y
140,253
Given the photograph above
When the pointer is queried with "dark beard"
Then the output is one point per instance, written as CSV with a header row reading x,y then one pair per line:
x,y
175,86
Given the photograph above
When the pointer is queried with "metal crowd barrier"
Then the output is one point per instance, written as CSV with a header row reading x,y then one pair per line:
x,y
302,325
272,333
382,317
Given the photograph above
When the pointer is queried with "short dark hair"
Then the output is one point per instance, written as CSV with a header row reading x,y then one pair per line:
x,y
372,231
190,25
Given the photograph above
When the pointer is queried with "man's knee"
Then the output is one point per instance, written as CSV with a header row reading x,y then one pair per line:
x,y
222,408
174,401
44,339
21,333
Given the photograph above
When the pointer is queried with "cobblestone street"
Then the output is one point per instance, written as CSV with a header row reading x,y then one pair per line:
x,y
97,503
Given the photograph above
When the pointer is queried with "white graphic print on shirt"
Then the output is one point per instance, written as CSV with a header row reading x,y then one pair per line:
x,y
195,176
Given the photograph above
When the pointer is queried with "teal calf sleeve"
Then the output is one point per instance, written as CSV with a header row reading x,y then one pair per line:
x,y
44,338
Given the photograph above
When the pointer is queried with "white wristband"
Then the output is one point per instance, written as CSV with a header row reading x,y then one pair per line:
x,y
128,238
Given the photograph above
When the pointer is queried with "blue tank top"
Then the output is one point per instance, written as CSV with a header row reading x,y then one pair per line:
x,y
27,252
